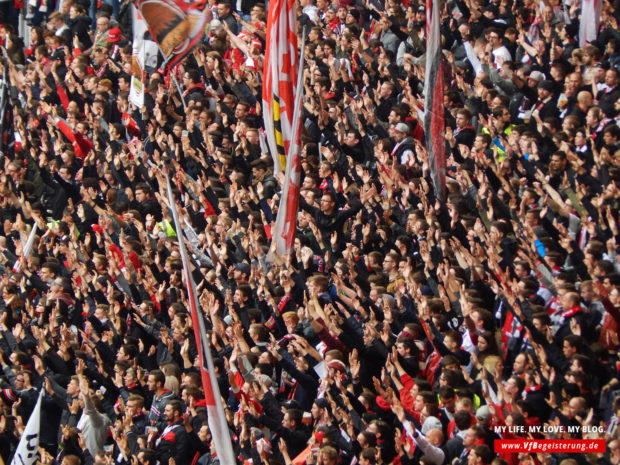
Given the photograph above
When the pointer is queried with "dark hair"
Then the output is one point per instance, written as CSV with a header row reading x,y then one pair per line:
x,y
370,438
148,455
144,187
462,420
492,348
370,454
159,376
484,453
176,405
455,336
296,415
574,341
446,392
130,350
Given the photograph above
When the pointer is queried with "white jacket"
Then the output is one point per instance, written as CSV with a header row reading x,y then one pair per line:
x,y
94,427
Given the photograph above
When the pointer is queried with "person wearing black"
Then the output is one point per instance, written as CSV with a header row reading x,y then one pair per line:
x,y
173,442
454,447
327,218
546,105
464,133
608,96
291,429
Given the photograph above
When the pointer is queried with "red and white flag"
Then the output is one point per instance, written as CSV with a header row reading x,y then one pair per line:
x,y
215,411
590,20
286,221
280,79
434,119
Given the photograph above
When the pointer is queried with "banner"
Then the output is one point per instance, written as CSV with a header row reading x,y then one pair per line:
x,y
17,268
280,78
434,119
27,451
175,25
215,412
590,20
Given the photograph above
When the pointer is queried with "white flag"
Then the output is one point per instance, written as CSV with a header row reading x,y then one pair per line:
x,y
27,451
17,268
590,20
143,58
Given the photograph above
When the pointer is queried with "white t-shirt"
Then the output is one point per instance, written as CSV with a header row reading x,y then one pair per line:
x,y
503,53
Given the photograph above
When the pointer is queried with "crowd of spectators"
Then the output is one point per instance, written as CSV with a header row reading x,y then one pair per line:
x,y
403,329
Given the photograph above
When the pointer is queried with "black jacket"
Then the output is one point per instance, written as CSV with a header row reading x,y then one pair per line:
x,y
295,439
174,443
607,100
124,19
327,224
453,448
80,27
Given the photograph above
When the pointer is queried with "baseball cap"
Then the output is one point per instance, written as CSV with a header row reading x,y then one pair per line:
x,y
114,35
431,423
536,76
402,127
483,413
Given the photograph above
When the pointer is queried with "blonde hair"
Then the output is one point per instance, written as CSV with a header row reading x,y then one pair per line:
x,y
172,384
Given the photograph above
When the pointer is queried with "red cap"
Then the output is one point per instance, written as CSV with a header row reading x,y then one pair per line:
x,y
114,35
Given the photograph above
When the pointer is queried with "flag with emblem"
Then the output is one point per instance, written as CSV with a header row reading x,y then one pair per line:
x,y
175,25
138,55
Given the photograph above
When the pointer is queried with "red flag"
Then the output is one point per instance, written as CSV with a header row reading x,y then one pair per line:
x,y
434,123
512,329
280,78
507,330
215,411
175,25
